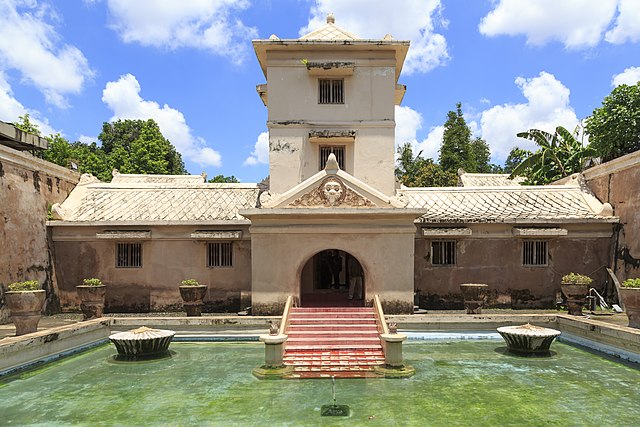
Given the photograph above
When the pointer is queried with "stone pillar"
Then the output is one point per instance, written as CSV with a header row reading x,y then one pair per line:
x,y
274,367
393,349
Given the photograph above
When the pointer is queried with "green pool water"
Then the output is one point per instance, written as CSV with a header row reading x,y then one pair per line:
x,y
473,383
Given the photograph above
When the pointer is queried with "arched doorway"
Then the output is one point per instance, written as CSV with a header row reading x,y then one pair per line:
x,y
325,279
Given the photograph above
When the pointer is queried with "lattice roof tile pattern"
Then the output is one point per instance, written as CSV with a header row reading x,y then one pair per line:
x,y
461,204
193,203
489,180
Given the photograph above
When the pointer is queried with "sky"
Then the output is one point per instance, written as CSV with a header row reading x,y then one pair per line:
x,y
190,65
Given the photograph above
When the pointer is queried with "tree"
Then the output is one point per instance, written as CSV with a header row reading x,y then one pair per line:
x,y
138,146
458,151
560,154
516,156
614,128
27,125
224,179
420,172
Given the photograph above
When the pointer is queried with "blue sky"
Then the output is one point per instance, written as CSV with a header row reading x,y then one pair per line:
x,y
513,64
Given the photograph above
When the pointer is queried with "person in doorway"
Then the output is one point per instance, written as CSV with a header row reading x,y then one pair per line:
x,y
355,278
336,268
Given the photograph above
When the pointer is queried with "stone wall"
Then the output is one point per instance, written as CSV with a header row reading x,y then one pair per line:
x,y
28,186
618,183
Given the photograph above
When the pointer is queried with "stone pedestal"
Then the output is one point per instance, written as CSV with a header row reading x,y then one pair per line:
x,y
474,295
528,339
25,308
576,296
631,299
394,366
92,298
274,367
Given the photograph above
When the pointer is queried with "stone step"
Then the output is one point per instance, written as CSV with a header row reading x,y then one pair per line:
x,y
335,346
333,321
333,327
345,315
329,309
322,334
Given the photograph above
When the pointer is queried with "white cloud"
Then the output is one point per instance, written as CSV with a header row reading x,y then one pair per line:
x,y
33,47
11,109
574,23
408,123
260,153
204,24
413,21
627,26
88,139
547,106
629,76
123,98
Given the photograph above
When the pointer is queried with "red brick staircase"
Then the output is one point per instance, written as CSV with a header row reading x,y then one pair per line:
x,y
333,341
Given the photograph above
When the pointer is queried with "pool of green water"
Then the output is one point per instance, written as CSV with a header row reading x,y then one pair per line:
x,y
473,383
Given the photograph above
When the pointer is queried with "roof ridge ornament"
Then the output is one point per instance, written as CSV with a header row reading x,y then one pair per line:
x,y
331,19
332,165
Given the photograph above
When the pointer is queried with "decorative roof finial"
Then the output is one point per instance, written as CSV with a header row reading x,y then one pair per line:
x,y
331,19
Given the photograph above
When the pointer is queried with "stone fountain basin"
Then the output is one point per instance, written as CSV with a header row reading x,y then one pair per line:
x,y
142,341
528,339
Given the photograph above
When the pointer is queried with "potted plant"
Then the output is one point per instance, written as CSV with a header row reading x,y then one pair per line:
x,y
575,288
192,293
91,293
25,301
630,294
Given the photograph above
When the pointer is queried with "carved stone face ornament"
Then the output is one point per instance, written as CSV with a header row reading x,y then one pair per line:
x,y
332,191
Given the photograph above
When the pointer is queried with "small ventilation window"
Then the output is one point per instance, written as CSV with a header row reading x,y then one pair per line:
x,y
220,254
129,255
534,252
331,91
337,150
443,252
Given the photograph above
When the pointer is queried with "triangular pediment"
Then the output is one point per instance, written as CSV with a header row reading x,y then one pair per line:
x,y
331,188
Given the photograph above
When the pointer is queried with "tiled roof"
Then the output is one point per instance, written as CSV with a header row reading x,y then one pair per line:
x,y
169,199
329,32
489,180
502,204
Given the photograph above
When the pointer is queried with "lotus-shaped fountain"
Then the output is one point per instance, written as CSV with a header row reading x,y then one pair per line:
x,y
528,339
142,342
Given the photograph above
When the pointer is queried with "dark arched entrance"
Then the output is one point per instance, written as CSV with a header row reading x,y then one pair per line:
x,y
325,278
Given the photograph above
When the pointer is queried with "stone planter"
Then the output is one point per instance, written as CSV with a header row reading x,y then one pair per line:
x,y
631,300
192,297
91,300
25,309
528,339
576,296
474,295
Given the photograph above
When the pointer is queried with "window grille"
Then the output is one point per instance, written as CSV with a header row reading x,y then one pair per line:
x,y
534,252
129,255
331,91
337,150
443,252
220,254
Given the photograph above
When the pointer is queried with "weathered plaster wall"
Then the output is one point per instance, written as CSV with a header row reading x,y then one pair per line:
x,y
282,248
618,183
168,258
28,185
494,257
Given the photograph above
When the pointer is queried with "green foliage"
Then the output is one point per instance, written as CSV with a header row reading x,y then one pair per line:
x,y
224,179
190,282
455,149
614,128
420,172
479,157
560,154
92,282
29,285
576,279
131,146
26,125
516,156
631,283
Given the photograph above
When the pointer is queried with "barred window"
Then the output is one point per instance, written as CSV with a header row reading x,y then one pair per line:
x,y
220,254
337,150
534,252
443,252
129,255
330,91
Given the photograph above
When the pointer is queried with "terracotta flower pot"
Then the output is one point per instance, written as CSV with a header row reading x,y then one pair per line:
x,y
192,297
92,300
474,295
25,309
576,297
631,300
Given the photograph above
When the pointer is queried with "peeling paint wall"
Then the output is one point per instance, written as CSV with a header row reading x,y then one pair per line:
x,y
618,182
28,186
169,257
495,257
